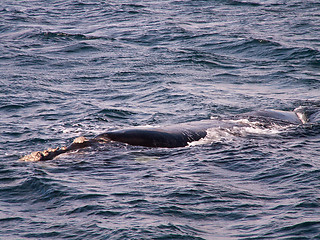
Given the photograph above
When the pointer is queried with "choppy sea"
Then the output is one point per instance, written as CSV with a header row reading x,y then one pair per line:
x,y
72,68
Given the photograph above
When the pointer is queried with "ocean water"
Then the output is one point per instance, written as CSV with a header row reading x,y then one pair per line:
x,y
72,68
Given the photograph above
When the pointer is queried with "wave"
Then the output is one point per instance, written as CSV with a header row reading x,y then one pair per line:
x,y
11,107
264,48
301,230
211,60
244,3
33,190
66,36
109,113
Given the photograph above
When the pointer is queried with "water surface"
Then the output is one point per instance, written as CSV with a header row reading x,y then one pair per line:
x,y
71,68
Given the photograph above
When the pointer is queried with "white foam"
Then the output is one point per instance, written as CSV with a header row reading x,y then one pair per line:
x,y
244,131
214,135
80,129
248,129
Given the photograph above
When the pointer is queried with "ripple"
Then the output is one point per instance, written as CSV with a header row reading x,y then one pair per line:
x,y
11,107
32,189
70,68
115,114
305,230
66,36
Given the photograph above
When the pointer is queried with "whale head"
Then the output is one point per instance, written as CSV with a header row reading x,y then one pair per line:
x,y
308,114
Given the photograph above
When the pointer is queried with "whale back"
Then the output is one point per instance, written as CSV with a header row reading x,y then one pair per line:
x,y
155,137
290,117
177,135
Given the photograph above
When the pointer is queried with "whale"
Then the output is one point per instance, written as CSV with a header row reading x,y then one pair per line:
x,y
178,135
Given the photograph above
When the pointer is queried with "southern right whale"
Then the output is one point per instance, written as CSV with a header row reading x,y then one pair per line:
x,y
179,135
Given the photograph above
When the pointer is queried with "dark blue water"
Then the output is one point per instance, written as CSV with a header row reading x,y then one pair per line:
x,y
71,68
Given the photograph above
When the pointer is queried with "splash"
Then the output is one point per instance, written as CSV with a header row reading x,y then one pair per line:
x,y
243,128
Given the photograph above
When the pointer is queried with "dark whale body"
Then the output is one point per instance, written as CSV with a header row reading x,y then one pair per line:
x,y
173,136
181,135
155,138
167,137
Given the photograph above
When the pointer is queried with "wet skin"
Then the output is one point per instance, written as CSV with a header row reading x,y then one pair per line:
x,y
167,137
